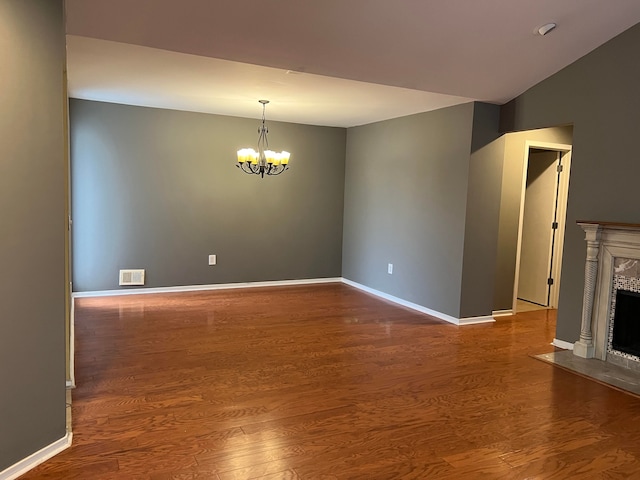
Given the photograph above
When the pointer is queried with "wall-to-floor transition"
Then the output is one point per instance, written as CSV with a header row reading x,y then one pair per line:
x,y
422,193
598,94
159,190
405,204
32,245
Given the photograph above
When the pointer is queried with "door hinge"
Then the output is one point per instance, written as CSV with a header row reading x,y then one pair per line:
x,y
554,225
549,281
559,169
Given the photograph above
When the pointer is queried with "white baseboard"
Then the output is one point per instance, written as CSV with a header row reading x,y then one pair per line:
x,y
71,381
562,344
476,320
502,313
400,301
282,283
197,288
35,459
419,308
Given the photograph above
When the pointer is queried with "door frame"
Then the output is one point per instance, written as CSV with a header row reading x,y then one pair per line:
x,y
69,310
561,215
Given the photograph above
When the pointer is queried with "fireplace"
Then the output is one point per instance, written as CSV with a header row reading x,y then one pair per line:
x,y
610,329
625,334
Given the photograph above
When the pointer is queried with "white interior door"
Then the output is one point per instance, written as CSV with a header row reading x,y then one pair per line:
x,y
536,253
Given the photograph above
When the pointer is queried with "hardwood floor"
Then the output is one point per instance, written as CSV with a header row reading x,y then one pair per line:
x,y
326,382
524,306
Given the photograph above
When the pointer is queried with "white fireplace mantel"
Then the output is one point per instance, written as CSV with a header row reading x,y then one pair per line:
x,y
606,241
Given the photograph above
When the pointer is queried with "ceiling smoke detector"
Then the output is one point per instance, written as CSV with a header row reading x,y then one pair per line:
x,y
546,28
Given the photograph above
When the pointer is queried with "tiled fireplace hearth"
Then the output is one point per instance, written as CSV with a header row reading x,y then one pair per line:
x,y
612,275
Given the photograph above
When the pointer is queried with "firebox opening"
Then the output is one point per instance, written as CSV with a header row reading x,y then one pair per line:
x,y
626,323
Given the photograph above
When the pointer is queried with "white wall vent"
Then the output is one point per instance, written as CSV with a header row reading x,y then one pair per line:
x,y
131,277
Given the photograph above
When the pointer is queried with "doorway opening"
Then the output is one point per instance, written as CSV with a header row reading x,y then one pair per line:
x,y
543,207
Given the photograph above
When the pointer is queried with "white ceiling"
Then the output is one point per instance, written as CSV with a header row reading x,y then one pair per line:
x,y
121,73
357,61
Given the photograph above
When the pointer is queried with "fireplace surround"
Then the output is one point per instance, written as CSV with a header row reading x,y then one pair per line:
x,y
612,275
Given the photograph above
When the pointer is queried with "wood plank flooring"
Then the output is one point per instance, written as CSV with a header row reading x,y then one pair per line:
x,y
326,382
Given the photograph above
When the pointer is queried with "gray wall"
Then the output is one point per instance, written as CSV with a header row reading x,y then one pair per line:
x,y
405,203
32,199
158,189
482,213
599,95
512,178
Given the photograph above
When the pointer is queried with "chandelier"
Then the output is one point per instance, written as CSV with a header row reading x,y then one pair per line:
x,y
264,161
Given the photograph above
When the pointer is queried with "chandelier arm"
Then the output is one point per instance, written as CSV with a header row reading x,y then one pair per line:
x,y
247,168
277,171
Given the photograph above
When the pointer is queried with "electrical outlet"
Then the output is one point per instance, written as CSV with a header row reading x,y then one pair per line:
x,y
390,269
212,259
